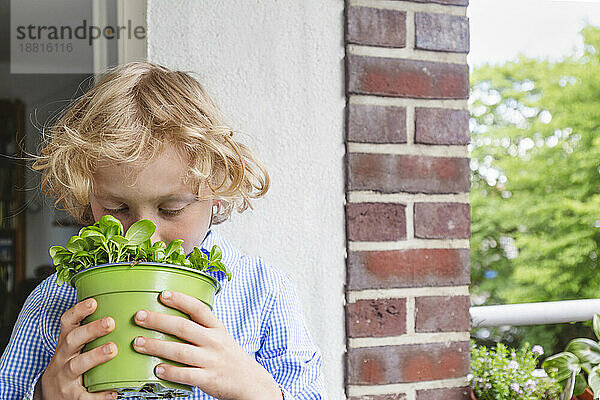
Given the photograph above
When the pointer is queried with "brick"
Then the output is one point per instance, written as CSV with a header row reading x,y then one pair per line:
x,y
407,363
376,124
395,396
376,27
376,221
442,314
446,2
458,393
441,126
376,318
407,78
408,268
390,173
442,220
441,32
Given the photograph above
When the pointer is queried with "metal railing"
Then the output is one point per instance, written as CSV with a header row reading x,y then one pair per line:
x,y
553,312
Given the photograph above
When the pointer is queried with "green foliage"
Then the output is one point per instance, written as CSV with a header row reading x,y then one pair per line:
x,y
581,358
104,242
535,192
502,373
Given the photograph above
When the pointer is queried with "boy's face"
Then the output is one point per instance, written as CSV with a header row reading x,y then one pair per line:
x,y
156,192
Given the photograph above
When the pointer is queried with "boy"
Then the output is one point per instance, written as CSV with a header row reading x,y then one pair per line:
x,y
149,143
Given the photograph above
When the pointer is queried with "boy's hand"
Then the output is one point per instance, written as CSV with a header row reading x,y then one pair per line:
x,y
63,379
217,364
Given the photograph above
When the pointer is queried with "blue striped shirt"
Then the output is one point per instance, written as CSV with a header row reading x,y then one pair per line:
x,y
259,307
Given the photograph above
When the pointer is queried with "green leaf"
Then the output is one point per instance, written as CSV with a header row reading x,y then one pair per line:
x,y
59,254
198,259
119,240
140,231
112,230
587,367
177,256
108,221
141,253
90,228
580,385
594,380
587,350
98,251
157,251
222,267
215,253
159,245
93,237
76,243
55,249
596,325
562,365
179,259
63,276
174,246
569,386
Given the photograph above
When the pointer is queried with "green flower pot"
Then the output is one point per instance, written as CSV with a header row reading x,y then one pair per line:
x,y
121,290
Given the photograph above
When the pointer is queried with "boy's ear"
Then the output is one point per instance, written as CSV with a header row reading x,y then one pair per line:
x,y
214,217
215,208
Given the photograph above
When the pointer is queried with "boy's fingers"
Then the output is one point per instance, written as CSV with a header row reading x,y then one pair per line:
x,y
186,375
193,307
101,396
73,316
181,352
183,328
85,361
78,337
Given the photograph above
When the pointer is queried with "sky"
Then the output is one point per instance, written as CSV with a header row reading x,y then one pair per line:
x,y
501,29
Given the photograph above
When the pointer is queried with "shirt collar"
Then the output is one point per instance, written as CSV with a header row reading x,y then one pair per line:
x,y
230,255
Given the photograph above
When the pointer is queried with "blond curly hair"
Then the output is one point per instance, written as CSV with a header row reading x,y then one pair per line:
x,y
127,117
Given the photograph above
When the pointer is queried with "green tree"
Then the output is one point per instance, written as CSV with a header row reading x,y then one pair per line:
x,y
535,194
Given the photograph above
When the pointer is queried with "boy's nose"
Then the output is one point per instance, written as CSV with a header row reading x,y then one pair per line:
x,y
156,236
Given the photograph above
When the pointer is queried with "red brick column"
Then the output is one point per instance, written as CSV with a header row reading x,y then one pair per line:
x,y
408,219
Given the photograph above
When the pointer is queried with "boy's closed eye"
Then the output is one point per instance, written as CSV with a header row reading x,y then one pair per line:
x,y
164,211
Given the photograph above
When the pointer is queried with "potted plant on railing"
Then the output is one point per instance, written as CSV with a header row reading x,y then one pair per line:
x,y
502,373
578,367
125,272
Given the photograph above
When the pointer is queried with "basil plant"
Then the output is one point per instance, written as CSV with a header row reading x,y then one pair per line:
x,y
581,358
105,242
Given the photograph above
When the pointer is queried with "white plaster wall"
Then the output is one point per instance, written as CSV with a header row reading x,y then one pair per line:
x,y
276,68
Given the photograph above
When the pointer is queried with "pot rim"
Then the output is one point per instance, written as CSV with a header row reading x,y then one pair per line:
x,y
214,280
